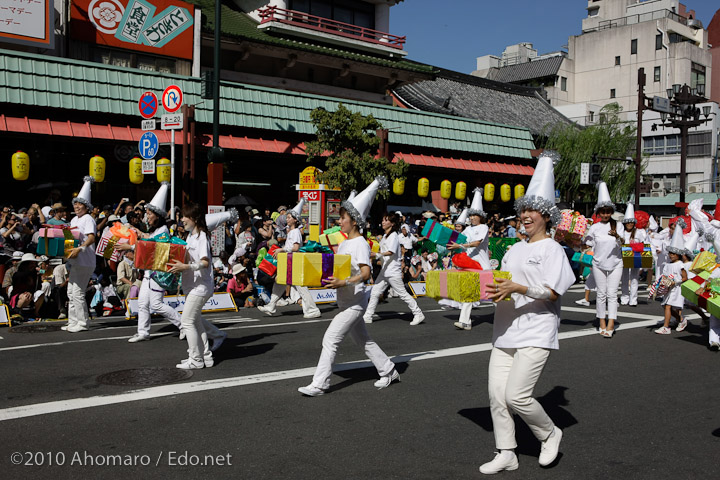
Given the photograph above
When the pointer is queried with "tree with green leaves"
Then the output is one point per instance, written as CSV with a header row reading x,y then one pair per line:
x,y
612,140
352,143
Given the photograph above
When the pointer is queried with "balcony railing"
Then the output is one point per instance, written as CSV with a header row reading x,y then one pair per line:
x,y
326,25
638,18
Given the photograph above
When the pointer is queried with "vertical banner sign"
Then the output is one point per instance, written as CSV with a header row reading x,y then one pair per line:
x,y
217,236
28,22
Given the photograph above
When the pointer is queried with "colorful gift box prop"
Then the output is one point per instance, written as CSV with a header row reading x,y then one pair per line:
x,y
571,228
703,292
583,258
268,263
661,286
498,247
332,238
310,269
440,234
704,262
116,235
374,244
463,286
155,253
637,255
57,240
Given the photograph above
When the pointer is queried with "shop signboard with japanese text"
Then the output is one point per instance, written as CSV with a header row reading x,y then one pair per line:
x,y
162,27
28,22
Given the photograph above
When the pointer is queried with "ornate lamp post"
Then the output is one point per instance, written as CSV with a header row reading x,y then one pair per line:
x,y
685,114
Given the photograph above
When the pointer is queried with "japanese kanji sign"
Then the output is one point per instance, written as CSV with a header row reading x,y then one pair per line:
x,y
157,26
27,22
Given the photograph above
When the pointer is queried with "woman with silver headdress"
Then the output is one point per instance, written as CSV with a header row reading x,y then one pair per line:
x,y
525,328
631,276
293,242
606,243
352,298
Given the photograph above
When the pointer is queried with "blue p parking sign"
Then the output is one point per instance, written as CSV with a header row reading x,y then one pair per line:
x,y
148,145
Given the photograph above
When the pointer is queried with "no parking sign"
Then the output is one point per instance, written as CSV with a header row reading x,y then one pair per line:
x,y
148,105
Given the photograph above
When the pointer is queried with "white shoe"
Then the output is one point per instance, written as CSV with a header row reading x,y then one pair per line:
x,y
219,341
64,328
583,302
550,447
463,326
505,460
62,316
418,319
77,328
189,364
387,380
311,391
182,334
283,302
266,310
138,338
368,319
317,314
208,360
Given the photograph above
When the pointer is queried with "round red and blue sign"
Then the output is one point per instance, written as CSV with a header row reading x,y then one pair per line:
x,y
148,105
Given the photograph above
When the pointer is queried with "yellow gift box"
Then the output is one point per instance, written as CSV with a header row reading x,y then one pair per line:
x,y
704,262
465,286
310,269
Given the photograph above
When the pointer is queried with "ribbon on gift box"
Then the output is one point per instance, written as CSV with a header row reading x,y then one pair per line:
x,y
330,231
314,247
462,260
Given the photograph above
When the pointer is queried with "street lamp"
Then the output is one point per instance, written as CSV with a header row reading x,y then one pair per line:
x,y
684,114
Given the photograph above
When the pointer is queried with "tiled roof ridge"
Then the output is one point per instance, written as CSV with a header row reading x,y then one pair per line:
x,y
488,83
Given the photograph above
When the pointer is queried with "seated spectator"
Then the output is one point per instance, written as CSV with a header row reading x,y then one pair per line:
x,y
58,214
415,270
127,285
221,271
26,298
60,281
11,232
240,286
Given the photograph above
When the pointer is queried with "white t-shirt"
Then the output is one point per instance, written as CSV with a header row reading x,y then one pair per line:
x,y
479,253
391,263
607,251
60,274
354,296
198,282
293,236
524,321
86,226
407,241
640,236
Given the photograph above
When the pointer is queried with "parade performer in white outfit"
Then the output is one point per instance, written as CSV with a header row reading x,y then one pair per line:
x,y
525,328
81,260
673,301
150,298
198,286
630,276
391,271
293,242
352,298
606,243
477,249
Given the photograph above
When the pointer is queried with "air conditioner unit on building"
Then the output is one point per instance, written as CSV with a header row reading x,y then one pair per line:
x,y
670,186
694,189
657,185
657,193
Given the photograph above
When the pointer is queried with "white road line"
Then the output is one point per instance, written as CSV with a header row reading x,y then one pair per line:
x,y
23,411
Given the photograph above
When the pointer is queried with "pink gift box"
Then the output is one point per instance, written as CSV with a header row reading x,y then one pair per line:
x,y
51,231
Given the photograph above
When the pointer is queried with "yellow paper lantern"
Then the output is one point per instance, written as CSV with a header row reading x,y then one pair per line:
x,y
163,170
460,190
399,186
20,165
136,175
445,189
505,192
97,168
519,191
423,187
489,192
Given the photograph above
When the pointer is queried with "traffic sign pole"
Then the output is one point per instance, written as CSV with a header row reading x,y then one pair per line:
x,y
172,173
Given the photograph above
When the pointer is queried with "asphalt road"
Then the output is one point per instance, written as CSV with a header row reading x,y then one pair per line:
x,y
637,406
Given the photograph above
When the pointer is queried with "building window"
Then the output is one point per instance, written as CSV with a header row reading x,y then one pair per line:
x,y
662,145
658,41
593,12
617,60
697,75
656,74
563,84
135,60
699,144
677,38
633,46
361,14
612,93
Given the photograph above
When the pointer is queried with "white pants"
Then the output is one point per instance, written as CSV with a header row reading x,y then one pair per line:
x,y
465,309
308,304
607,286
193,325
348,321
714,332
396,284
512,375
590,282
150,299
78,280
629,286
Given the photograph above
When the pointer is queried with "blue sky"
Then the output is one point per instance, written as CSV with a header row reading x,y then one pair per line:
x,y
453,33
